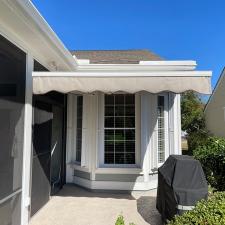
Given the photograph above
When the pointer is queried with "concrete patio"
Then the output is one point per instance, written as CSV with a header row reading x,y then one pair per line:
x,y
77,206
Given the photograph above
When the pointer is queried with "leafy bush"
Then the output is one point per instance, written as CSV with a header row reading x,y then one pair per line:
x,y
120,221
212,157
206,212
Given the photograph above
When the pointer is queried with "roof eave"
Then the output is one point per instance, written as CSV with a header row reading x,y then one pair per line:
x,y
22,20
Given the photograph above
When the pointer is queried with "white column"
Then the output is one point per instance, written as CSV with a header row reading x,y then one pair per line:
x,y
70,156
174,124
145,134
27,148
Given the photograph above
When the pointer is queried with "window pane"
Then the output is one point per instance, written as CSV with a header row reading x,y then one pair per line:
x,y
119,122
119,99
130,99
119,138
109,111
109,99
119,135
161,101
130,134
109,122
119,146
119,158
119,110
109,146
109,158
161,129
79,111
79,128
130,158
130,122
130,146
78,150
130,110
109,135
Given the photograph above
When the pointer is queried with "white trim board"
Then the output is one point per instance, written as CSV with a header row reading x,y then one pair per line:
x,y
27,148
139,73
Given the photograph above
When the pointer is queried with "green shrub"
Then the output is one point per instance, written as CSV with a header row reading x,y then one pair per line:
x,y
212,157
120,221
206,212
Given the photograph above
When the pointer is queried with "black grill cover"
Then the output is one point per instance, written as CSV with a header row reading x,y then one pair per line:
x,y
181,181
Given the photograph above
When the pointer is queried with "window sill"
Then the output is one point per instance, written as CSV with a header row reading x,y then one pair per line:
x,y
77,166
110,170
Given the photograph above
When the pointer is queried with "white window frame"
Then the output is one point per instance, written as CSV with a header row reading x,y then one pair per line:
x,y
101,151
166,128
75,130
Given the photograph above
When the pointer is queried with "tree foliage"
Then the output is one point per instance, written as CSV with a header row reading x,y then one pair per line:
x,y
193,119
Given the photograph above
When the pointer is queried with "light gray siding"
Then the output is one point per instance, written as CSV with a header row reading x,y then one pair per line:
x,y
214,111
119,177
82,174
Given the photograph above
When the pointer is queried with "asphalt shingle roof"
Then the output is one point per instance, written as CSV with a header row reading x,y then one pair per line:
x,y
116,56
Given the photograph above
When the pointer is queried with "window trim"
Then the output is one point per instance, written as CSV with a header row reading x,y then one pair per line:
x,y
166,127
101,152
75,130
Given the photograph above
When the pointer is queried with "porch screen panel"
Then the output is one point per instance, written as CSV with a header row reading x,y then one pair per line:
x,y
79,128
12,99
119,129
161,129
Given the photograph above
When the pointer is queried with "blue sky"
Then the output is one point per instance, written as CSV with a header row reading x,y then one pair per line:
x,y
173,29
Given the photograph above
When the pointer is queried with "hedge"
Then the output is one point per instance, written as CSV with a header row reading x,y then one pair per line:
x,y
206,212
212,157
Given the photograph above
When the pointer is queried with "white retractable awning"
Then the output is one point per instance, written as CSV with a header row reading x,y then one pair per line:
x,y
111,82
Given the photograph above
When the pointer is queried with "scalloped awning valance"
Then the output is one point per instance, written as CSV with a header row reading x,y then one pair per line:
x,y
153,82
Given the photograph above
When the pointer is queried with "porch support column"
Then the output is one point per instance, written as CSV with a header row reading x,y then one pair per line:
x,y
70,158
174,124
145,134
27,148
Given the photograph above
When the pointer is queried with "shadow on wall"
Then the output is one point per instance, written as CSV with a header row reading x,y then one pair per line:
x,y
146,207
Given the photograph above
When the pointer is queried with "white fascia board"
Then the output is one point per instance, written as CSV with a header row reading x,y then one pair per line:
x,y
151,66
170,63
23,20
125,74
83,61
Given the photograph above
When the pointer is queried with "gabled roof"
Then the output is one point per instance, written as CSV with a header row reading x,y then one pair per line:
x,y
116,56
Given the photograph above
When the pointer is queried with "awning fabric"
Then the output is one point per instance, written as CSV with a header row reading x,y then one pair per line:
x,y
128,84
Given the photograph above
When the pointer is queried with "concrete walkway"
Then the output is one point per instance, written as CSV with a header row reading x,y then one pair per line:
x,y
77,206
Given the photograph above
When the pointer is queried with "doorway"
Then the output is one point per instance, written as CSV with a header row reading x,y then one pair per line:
x,y
48,169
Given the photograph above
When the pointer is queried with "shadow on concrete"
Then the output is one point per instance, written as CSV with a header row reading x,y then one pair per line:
x,y
146,207
71,190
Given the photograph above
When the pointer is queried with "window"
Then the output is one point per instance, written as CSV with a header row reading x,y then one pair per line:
x,y
79,128
161,129
119,129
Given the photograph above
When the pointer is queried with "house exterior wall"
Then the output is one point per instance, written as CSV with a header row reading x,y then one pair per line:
x,y
91,173
215,109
